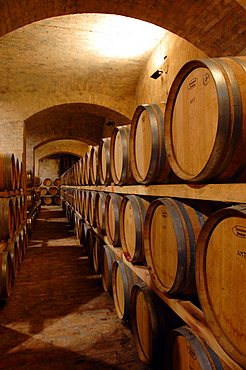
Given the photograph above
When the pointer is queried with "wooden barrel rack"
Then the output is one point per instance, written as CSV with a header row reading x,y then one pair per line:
x,y
188,311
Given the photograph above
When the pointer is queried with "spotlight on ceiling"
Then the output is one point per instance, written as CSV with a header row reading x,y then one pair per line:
x,y
156,74
110,123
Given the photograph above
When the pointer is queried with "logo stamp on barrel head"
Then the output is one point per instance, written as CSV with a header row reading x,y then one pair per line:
x,y
192,83
239,231
191,352
206,79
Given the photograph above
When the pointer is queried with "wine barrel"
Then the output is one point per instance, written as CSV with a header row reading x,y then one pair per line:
x,y
21,200
91,208
6,219
100,212
152,321
5,274
86,196
30,199
112,217
84,230
7,172
14,255
185,351
204,115
87,175
97,255
20,243
57,200
24,237
47,200
172,228
89,245
78,226
18,174
16,212
93,164
76,169
43,190
81,169
79,202
108,259
132,217
47,182
104,161
220,277
123,279
53,190
120,164
57,181
149,161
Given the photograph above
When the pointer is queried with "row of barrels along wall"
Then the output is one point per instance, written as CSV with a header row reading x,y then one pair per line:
x,y
162,339
177,239
203,115
13,228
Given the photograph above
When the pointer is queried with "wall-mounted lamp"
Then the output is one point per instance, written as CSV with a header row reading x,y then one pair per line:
x,y
156,74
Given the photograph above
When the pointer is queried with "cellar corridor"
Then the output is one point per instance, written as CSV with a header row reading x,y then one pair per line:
x,y
58,315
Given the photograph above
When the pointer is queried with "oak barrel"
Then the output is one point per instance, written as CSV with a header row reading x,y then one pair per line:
x,y
171,231
132,217
83,234
100,212
5,274
87,174
151,321
18,174
47,182
107,261
7,171
123,279
204,116
147,147
91,208
89,245
221,276
16,212
97,255
57,181
43,190
14,254
120,164
6,219
93,164
185,351
112,217
104,161
53,190
20,243
47,200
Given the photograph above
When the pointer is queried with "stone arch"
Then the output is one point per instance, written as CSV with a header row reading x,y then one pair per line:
x,y
211,26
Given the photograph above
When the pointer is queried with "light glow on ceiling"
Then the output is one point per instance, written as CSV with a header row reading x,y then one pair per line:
x,y
123,37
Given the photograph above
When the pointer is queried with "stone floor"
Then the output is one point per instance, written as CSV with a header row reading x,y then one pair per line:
x,y
58,316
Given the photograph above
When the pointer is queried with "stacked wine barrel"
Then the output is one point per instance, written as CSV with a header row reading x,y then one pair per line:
x,y
50,191
190,247
13,226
